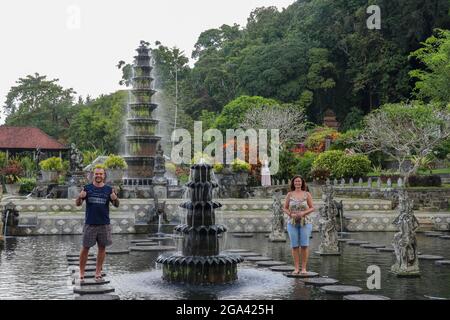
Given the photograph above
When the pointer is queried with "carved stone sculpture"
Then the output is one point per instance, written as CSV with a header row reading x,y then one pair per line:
x,y
278,231
404,242
329,244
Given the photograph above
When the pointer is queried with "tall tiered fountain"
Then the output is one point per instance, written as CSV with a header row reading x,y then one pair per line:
x,y
141,140
200,261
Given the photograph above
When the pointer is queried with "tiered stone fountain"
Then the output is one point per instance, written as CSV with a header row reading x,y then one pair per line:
x,y
141,141
200,261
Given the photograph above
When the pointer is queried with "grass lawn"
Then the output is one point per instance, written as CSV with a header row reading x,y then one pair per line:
x,y
437,171
422,172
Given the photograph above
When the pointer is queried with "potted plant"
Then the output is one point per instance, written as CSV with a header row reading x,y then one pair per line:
x,y
12,173
240,169
50,169
115,168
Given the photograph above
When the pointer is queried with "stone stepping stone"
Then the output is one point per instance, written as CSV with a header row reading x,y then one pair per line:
x,y
433,234
77,263
267,235
365,297
386,249
250,254
93,289
270,263
97,297
282,268
345,240
146,244
90,282
256,259
237,250
117,251
357,242
434,298
243,235
78,259
159,238
142,241
429,257
310,274
77,255
445,237
87,275
340,289
153,248
443,262
372,246
87,269
322,281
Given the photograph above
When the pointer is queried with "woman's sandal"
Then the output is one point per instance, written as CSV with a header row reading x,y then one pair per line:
x,y
295,273
81,279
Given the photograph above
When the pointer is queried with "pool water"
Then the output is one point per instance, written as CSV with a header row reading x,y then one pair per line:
x,y
36,268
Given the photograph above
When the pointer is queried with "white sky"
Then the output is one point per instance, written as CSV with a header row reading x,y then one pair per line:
x,y
45,36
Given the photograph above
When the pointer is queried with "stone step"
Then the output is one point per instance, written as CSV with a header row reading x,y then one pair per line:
x,y
97,297
93,289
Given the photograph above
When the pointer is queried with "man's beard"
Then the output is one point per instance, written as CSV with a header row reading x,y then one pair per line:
x,y
98,180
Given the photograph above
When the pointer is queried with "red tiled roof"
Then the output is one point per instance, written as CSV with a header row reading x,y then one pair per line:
x,y
27,138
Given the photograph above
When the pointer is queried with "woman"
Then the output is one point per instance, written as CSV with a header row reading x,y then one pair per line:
x,y
298,206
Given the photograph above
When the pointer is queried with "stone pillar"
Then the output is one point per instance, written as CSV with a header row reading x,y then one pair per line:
x,y
379,183
369,182
159,180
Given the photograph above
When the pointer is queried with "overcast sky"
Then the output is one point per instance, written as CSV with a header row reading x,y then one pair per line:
x,y
81,41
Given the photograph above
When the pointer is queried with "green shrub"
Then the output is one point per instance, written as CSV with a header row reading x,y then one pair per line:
x,y
239,165
344,140
424,181
356,166
51,164
218,167
171,167
90,156
304,165
200,156
319,174
328,160
27,185
316,139
2,159
28,165
115,162
12,172
61,179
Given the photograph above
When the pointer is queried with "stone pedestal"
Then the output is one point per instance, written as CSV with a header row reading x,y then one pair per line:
x,y
160,190
73,192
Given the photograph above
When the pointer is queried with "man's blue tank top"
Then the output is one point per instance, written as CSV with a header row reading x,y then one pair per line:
x,y
97,204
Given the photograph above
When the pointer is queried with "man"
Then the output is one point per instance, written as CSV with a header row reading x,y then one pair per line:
x,y
97,228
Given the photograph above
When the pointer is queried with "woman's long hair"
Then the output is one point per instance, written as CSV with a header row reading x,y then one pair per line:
x,y
292,186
